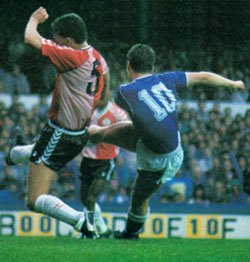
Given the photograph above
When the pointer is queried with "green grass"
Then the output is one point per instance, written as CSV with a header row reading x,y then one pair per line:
x,y
57,249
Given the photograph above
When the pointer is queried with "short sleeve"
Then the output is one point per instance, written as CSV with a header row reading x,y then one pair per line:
x,y
179,78
64,58
120,100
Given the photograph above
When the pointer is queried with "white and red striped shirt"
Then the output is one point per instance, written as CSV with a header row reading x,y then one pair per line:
x,y
109,115
79,83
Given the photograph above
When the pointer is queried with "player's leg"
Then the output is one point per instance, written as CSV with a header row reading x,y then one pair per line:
x,y
86,177
38,183
94,190
89,215
94,220
122,134
145,185
49,155
94,176
153,170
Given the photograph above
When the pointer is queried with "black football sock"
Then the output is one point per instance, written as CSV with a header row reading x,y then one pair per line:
x,y
135,222
133,227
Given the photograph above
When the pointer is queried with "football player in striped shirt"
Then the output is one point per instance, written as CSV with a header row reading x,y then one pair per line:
x,y
82,75
98,161
96,167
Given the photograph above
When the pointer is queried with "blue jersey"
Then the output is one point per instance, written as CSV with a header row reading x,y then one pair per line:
x,y
151,104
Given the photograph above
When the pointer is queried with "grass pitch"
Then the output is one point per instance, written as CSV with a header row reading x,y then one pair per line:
x,y
58,249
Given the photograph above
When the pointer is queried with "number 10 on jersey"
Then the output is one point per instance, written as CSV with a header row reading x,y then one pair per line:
x,y
161,103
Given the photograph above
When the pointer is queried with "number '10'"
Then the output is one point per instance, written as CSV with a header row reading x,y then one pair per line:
x,y
160,94
212,226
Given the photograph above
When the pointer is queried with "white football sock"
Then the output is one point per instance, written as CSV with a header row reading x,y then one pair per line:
x,y
100,223
90,218
54,207
21,154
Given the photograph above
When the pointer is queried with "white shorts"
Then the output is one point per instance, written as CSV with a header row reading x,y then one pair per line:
x,y
150,161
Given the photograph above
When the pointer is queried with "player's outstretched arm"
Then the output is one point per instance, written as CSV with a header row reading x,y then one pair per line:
x,y
31,35
213,80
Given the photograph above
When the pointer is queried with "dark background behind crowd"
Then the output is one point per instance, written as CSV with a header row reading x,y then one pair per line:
x,y
187,35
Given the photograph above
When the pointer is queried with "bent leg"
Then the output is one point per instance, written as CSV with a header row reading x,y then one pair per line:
x,y
94,176
93,192
145,185
89,196
38,184
122,134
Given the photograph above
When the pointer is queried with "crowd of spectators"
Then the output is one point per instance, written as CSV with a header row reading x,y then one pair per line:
x,y
228,63
216,143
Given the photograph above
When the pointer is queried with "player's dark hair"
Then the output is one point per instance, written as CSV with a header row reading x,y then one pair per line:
x,y
70,25
141,58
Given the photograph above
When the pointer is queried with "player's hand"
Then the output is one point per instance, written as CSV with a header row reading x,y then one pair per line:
x,y
40,15
239,85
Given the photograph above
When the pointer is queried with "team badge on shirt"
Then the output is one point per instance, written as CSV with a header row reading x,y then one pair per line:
x,y
106,122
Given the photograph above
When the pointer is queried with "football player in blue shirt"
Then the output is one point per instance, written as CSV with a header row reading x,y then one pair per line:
x,y
150,99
